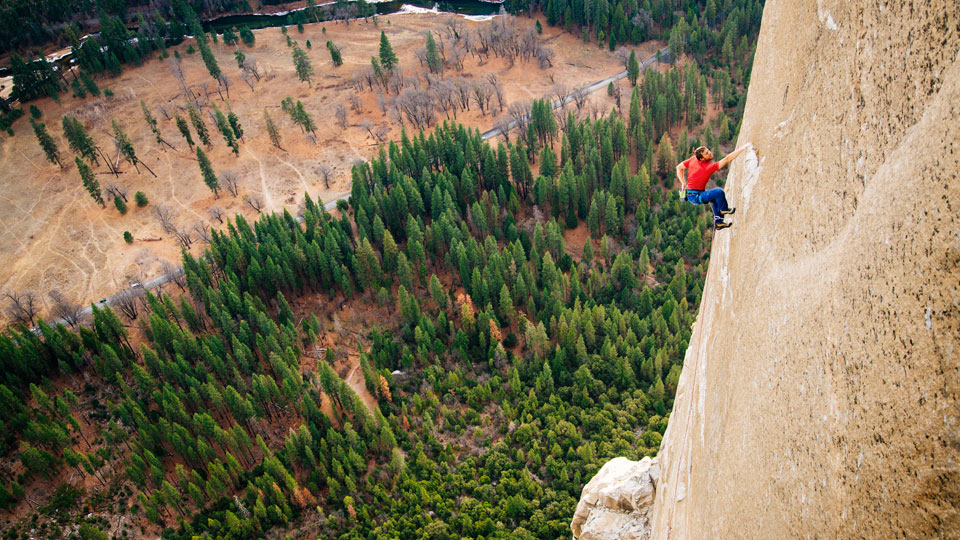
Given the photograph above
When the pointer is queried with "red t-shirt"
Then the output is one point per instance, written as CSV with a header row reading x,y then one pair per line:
x,y
698,172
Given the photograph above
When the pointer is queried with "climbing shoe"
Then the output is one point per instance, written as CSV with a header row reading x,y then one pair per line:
x,y
721,225
728,212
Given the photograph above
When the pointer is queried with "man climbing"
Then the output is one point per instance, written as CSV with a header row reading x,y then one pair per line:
x,y
701,167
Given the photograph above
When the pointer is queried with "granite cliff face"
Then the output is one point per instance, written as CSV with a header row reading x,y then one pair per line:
x,y
819,396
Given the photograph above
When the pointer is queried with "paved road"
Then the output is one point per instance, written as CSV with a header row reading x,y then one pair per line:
x,y
557,103
162,279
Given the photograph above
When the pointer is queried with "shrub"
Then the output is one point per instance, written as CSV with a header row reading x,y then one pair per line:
x,y
127,237
141,199
121,206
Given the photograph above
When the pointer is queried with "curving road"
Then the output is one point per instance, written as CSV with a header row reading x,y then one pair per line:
x,y
557,103
162,279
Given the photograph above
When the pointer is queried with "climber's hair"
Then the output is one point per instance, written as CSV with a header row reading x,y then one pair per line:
x,y
699,152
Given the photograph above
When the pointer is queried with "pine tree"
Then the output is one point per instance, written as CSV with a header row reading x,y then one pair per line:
x,y
126,147
434,60
184,130
633,68
271,129
335,54
388,59
302,64
152,123
235,125
209,60
209,178
46,142
304,118
199,125
224,127
89,181
437,292
79,140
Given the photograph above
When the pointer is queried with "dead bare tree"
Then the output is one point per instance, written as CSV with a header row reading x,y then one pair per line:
x,y
580,96
481,96
445,91
497,86
356,104
254,201
396,115
382,133
163,111
441,47
325,172
561,119
464,88
594,111
23,306
560,91
421,55
469,41
398,80
202,230
176,275
251,67
457,56
230,180
129,301
369,77
176,66
224,83
519,111
453,27
368,125
503,124
114,190
183,237
341,113
216,213
544,57
65,309
622,55
418,106
165,216
381,102
245,77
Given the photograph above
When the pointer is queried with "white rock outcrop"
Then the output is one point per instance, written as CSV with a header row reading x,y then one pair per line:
x,y
617,502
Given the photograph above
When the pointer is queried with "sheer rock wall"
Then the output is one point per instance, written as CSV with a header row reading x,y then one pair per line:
x,y
819,396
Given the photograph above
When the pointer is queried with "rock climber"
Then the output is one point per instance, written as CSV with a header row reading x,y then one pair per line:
x,y
701,167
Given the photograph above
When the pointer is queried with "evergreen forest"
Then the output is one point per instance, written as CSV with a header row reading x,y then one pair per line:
x,y
510,366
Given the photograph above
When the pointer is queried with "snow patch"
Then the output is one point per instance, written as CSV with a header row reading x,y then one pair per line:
x,y
407,8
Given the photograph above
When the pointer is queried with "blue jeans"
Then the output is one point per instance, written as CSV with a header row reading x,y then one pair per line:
x,y
715,197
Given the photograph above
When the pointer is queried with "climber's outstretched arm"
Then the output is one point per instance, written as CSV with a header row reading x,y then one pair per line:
x,y
732,156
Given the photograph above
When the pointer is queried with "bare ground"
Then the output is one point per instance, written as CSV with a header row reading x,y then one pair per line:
x,y
56,238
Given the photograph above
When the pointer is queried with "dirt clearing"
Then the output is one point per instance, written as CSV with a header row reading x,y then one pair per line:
x,y
55,237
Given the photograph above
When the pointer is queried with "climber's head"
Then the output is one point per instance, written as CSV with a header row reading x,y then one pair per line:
x,y
703,153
